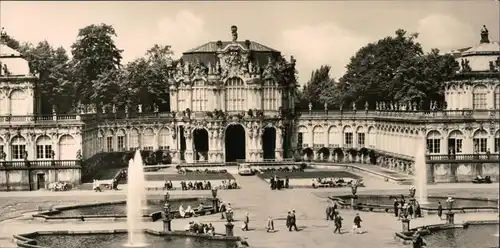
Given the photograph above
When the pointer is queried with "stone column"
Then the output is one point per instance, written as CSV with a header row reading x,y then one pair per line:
x,y
279,145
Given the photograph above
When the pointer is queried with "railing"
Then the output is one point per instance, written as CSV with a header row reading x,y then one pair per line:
x,y
437,114
450,158
19,119
40,164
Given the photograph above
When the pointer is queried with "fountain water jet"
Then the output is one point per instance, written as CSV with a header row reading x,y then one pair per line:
x,y
136,196
421,172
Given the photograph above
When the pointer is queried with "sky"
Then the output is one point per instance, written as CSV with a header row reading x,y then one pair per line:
x,y
315,33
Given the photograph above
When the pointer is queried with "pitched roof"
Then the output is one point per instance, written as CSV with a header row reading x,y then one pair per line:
x,y
211,47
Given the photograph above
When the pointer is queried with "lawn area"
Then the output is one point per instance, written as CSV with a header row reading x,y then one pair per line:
x,y
189,177
309,174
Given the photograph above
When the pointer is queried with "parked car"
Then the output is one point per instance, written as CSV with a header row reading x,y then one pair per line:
x,y
245,169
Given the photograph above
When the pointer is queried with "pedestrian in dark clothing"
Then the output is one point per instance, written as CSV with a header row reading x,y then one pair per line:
x,y
287,181
273,183
357,224
440,210
418,211
410,210
288,219
222,210
338,223
293,222
329,212
396,207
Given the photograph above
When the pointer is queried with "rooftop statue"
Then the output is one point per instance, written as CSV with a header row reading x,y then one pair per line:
x,y
234,32
484,35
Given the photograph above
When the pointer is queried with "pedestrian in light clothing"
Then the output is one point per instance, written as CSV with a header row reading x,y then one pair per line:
x,y
270,224
245,222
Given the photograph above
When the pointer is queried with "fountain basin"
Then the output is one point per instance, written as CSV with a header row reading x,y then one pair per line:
x,y
118,239
385,203
468,234
117,209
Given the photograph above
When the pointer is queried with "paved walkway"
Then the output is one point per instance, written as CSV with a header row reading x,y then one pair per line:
x,y
256,198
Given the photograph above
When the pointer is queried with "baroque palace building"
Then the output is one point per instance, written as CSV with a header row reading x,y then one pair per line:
x,y
234,101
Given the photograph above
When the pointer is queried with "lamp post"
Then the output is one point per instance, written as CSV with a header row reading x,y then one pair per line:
x,y
354,189
215,201
167,221
450,216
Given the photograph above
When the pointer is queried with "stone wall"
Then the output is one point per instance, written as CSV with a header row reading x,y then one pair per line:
x,y
462,172
19,179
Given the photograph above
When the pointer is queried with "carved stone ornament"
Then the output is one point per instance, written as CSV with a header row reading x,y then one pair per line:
x,y
233,61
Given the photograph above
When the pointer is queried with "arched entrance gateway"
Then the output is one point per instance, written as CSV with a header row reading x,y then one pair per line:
x,y
269,143
200,144
234,143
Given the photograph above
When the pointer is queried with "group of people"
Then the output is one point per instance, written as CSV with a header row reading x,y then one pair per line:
x,y
197,185
413,209
277,183
110,184
201,228
333,214
189,211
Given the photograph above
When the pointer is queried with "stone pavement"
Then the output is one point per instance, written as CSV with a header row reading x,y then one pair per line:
x,y
256,198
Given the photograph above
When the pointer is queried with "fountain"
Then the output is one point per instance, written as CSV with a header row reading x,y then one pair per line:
x,y
421,173
135,202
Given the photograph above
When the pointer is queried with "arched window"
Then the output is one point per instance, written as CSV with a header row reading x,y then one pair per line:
x,y
109,140
2,147
43,147
480,140
361,137
455,142
348,137
121,140
4,103
497,97
301,136
200,96
148,139
18,146
134,139
332,133
433,142
270,95
100,140
318,137
371,137
163,139
18,102
67,147
235,94
479,97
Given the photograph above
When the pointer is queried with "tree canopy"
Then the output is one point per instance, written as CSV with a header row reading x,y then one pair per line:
x,y
391,69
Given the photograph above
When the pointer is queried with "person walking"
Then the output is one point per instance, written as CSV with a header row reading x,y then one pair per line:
x,y
440,210
270,224
288,219
357,224
396,207
338,223
329,212
245,222
293,222
222,209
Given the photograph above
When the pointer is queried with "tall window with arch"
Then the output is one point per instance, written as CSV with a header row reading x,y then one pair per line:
x,y
318,137
480,141
43,148
148,138
109,141
455,142
18,102
497,97
479,97
433,142
134,139
270,95
163,139
235,94
200,95
120,140
348,137
18,146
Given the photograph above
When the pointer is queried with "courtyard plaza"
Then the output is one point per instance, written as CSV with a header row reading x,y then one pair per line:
x,y
256,198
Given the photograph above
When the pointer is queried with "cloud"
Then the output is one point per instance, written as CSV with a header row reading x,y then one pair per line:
x,y
182,31
315,45
445,33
